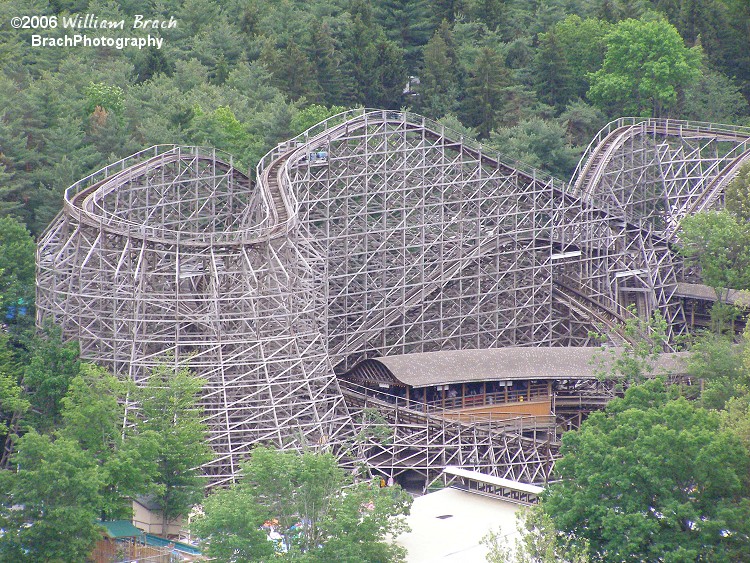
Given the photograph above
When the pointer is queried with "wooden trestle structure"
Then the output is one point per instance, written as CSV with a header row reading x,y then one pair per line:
x,y
374,233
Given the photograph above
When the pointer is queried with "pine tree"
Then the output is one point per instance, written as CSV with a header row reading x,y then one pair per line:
x,y
408,23
327,61
169,413
438,87
552,76
484,91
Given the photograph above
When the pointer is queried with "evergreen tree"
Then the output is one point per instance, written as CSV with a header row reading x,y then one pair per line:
x,y
408,23
375,64
388,76
485,91
327,61
296,74
150,62
446,10
491,12
358,48
552,76
438,86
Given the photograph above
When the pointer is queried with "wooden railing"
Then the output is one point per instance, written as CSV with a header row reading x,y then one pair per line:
x,y
532,392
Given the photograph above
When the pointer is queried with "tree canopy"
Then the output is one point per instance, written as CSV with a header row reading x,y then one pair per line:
x,y
654,477
235,74
86,465
645,66
319,514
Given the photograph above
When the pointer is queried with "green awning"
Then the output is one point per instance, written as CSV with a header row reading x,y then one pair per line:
x,y
117,529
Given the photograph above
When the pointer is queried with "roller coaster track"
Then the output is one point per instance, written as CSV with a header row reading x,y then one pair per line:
x,y
274,178
172,250
427,442
587,177
577,300
595,160
717,185
84,199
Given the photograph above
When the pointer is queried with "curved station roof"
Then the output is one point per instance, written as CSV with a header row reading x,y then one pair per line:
x,y
499,364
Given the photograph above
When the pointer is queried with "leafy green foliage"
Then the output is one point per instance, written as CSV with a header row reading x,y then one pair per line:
x,y
105,96
539,143
93,414
362,520
737,196
718,362
13,401
320,516
88,465
17,272
52,365
653,477
235,74
580,46
636,361
168,413
231,524
312,115
539,542
646,65
720,243
50,502
220,128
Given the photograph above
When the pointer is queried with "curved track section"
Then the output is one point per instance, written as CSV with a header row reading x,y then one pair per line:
x,y
373,233
655,171
637,180
171,258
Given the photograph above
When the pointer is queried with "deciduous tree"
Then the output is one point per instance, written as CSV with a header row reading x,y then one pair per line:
x,y
737,196
720,243
718,363
48,507
539,542
646,65
168,411
52,366
653,478
321,516
93,414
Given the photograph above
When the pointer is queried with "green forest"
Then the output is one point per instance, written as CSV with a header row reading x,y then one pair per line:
x,y
532,79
